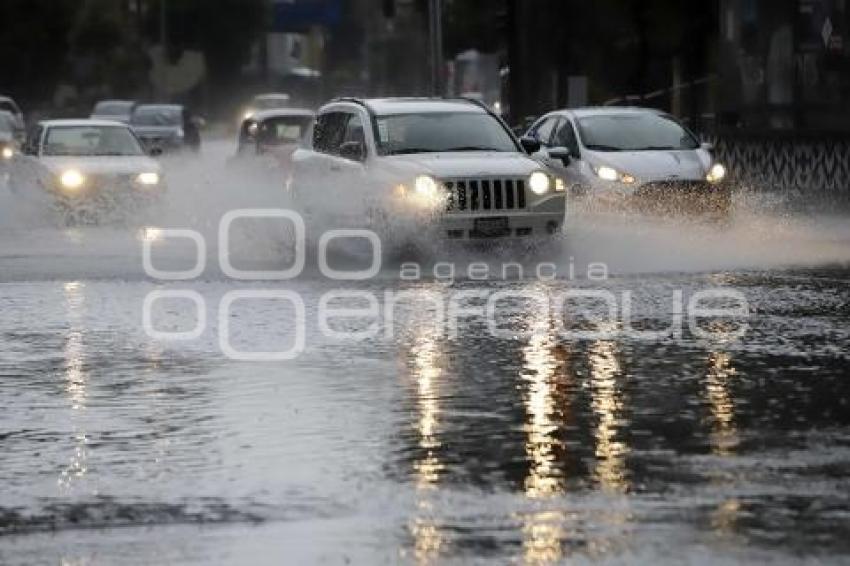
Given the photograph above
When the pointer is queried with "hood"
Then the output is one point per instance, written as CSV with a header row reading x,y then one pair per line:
x,y
661,165
106,165
467,164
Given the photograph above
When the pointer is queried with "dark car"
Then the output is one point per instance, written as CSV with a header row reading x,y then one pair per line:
x,y
117,110
168,127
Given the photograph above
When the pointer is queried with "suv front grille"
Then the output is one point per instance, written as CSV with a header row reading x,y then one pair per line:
x,y
485,194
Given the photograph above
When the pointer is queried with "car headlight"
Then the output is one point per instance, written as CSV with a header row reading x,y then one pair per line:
x,y
8,153
148,179
72,179
610,174
426,186
539,183
716,174
607,173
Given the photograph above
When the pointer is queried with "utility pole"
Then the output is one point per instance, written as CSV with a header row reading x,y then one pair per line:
x,y
163,41
435,20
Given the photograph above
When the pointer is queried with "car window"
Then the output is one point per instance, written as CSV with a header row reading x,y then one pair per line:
x,y
157,116
636,131
7,122
329,132
441,132
91,140
354,130
543,130
566,137
283,130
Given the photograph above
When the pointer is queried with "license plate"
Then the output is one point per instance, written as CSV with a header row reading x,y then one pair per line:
x,y
492,227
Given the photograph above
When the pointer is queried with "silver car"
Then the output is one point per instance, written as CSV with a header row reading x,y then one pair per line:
x,y
631,157
86,164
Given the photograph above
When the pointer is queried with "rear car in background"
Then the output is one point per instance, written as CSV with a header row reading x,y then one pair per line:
x,y
86,167
8,142
268,101
272,135
632,159
117,110
167,127
8,105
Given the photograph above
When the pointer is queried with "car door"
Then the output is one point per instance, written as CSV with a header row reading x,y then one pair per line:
x,y
564,137
350,195
312,165
27,171
329,184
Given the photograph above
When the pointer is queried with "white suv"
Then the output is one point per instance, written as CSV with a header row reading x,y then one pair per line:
x,y
448,168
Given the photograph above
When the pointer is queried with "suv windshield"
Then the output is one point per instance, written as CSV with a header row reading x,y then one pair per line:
x,y
91,140
634,132
156,116
435,132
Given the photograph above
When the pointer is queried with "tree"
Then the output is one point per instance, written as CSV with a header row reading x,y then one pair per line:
x,y
223,30
34,38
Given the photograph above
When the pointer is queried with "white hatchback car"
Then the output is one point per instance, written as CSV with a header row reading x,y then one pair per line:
x,y
448,168
632,156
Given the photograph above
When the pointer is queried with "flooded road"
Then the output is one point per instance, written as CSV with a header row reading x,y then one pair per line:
x,y
414,445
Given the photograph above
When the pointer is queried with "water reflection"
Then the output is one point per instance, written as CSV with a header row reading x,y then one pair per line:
x,y
543,373
724,436
76,380
607,404
427,371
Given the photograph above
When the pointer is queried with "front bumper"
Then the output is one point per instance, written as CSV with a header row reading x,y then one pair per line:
x,y
684,197
665,197
108,192
493,226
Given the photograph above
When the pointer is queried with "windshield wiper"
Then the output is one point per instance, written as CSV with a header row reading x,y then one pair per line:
x,y
602,147
473,148
656,148
409,150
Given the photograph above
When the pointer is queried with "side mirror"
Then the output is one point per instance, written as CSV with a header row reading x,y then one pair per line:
x,y
155,151
353,150
561,153
529,144
199,122
708,146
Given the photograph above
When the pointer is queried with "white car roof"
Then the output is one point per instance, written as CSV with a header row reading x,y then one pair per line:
x,y
282,113
389,106
608,110
82,122
272,96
